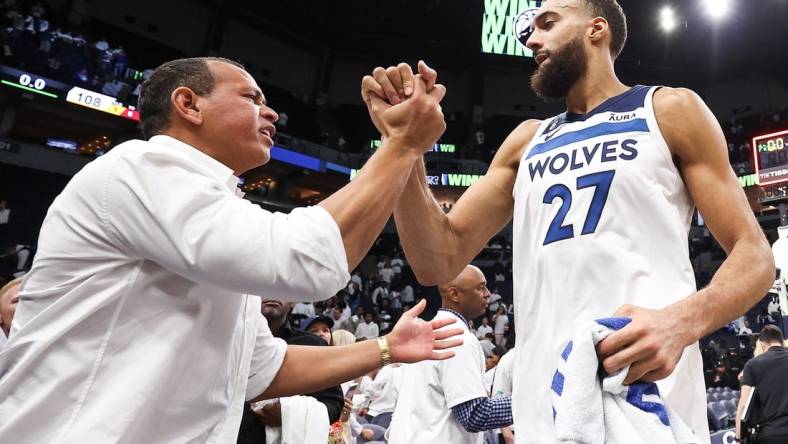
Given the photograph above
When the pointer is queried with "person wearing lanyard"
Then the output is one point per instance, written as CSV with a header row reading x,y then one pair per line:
x,y
448,401
136,322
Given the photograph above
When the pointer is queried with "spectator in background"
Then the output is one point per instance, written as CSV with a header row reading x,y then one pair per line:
x,y
356,279
381,292
767,373
305,309
723,377
320,326
490,362
774,309
448,401
495,301
386,274
367,329
487,343
396,264
500,321
9,298
484,328
255,419
407,295
745,329
382,395
356,319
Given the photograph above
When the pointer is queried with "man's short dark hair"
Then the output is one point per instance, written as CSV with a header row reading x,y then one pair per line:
x,y
611,11
498,351
771,334
154,101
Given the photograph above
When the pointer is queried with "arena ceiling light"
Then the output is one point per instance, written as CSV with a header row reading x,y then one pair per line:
x,y
667,19
716,9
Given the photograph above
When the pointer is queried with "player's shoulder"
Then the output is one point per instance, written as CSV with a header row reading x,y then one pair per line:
x,y
675,102
515,144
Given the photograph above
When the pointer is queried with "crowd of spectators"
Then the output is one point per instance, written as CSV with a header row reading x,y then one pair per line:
x,y
33,41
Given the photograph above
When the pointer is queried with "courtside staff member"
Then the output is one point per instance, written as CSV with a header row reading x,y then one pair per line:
x,y
768,373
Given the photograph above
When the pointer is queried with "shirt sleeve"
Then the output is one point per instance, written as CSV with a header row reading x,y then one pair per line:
x,y
480,414
267,357
748,374
166,210
462,377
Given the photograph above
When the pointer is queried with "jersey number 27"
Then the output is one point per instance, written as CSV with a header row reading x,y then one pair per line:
x,y
557,231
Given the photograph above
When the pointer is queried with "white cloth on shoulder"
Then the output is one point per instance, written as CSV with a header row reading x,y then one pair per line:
x,y
304,421
588,410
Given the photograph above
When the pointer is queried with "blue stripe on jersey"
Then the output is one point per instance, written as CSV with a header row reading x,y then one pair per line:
x,y
636,125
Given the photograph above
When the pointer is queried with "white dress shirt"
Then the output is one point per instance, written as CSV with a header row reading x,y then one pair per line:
x,y
135,324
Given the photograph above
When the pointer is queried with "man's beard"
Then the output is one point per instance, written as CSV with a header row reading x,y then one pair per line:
x,y
554,78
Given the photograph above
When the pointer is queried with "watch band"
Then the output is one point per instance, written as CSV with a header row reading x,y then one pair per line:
x,y
385,355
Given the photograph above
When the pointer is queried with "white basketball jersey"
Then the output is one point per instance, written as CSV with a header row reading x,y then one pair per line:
x,y
601,218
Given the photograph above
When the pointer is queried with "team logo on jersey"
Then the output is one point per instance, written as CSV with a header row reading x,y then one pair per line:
x,y
553,127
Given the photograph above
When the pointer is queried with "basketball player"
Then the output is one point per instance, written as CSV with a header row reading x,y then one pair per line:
x,y
602,197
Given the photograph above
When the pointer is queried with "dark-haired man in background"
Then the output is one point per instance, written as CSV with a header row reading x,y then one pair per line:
x,y
768,373
147,259
601,199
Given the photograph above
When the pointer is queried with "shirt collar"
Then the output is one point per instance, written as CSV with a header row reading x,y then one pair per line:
x,y
455,314
219,170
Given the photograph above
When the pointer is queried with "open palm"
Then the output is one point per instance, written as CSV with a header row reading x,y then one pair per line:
x,y
414,339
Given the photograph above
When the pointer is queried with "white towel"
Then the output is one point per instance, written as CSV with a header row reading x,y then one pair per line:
x,y
304,421
589,411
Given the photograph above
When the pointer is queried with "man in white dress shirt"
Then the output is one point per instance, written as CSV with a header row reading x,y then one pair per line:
x,y
135,323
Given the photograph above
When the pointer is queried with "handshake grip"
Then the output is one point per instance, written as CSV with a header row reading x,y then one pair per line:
x,y
404,107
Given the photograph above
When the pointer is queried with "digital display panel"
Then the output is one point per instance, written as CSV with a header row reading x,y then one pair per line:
x,y
771,158
36,84
32,83
498,23
101,102
443,180
446,148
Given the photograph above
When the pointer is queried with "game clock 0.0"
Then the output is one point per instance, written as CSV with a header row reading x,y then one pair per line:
x,y
771,157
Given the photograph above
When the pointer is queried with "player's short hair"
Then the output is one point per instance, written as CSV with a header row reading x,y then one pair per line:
x,y
154,101
611,11
770,334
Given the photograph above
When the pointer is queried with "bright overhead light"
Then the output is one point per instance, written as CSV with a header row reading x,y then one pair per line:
x,y
717,9
667,19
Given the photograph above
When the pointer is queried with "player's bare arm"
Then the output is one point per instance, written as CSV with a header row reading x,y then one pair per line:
x,y
655,339
438,245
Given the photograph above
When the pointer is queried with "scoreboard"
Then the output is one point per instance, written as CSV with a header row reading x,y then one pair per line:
x,y
771,158
40,85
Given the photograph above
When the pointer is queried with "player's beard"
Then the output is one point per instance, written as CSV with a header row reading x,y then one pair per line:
x,y
564,66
